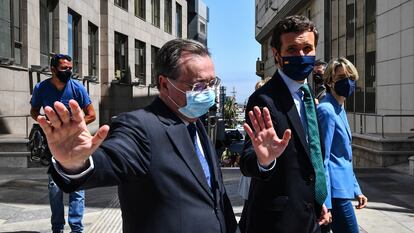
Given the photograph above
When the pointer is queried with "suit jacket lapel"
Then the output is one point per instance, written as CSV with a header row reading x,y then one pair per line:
x,y
341,114
346,125
180,138
178,134
285,98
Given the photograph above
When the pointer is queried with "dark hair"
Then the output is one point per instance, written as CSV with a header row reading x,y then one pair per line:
x,y
294,23
167,61
319,62
54,61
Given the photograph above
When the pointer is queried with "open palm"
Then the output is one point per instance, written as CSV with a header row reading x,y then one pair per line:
x,y
68,138
267,145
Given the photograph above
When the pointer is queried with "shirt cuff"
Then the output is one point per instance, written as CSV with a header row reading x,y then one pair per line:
x,y
268,168
68,177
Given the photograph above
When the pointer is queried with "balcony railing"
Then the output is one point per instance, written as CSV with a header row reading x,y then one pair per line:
x,y
379,119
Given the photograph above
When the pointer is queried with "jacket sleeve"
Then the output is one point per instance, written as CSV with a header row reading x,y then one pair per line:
x,y
327,127
124,156
249,165
357,189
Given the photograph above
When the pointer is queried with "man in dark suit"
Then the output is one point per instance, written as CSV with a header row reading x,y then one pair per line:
x,y
285,196
160,157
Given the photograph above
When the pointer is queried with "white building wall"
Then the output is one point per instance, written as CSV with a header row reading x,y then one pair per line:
x,y
395,62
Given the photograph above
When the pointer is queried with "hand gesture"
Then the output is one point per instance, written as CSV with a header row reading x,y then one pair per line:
x,y
68,138
267,145
362,201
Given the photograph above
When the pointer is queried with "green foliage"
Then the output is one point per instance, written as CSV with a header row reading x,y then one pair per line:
x,y
230,108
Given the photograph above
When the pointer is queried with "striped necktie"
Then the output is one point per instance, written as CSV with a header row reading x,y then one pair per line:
x,y
204,164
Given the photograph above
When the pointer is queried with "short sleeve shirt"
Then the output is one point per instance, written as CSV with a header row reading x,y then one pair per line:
x,y
45,94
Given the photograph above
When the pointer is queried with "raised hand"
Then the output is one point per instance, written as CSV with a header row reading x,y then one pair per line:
x,y
267,145
68,138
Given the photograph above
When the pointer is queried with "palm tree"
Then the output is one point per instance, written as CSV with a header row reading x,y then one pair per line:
x,y
230,108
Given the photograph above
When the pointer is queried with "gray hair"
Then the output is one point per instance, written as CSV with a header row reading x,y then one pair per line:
x,y
167,61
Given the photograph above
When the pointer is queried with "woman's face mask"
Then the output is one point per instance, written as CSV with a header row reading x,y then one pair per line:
x,y
344,87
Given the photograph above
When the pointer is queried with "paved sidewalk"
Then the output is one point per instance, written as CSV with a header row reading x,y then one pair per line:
x,y
24,205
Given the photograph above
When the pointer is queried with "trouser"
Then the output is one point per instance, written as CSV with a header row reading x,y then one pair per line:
x,y
76,207
343,216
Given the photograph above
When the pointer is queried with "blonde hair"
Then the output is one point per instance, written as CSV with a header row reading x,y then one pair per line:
x,y
262,82
330,71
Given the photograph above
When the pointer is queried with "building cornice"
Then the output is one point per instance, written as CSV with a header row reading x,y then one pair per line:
x,y
290,7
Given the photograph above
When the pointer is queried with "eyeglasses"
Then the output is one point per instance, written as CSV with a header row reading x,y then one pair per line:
x,y
201,86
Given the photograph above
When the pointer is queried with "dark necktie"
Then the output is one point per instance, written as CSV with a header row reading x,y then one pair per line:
x,y
192,130
314,145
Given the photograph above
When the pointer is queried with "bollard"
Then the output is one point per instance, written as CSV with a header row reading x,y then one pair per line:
x,y
411,161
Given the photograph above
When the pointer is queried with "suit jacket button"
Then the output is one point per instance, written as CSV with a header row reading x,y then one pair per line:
x,y
308,205
310,179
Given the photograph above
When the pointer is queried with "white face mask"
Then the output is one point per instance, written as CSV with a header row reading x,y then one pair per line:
x,y
198,103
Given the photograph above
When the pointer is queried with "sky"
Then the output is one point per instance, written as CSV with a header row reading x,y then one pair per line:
x,y
230,39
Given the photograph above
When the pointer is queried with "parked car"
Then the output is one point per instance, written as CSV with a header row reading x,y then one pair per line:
x,y
233,135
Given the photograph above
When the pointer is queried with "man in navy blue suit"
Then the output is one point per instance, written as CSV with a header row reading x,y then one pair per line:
x,y
288,187
160,157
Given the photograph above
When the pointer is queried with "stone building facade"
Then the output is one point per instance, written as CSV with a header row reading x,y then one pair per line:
x,y
112,42
378,37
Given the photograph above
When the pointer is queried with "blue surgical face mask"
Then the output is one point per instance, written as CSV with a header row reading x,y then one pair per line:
x,y
344,87
198,102
298,67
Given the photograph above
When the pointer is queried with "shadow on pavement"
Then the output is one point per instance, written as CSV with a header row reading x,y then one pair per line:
x,y
35,191
383,185
389,209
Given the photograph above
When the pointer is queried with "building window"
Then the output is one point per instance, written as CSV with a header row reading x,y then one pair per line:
x,y
140,8
74,39
356,42
122,4
168,16
202,27
154,51
140,61
121,57
47,34
178,20
10,30
93,50
350,20
155,9
370,53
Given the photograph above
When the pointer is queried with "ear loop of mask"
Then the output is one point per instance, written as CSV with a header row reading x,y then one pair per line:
x,y
276,61
177,89
175,86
